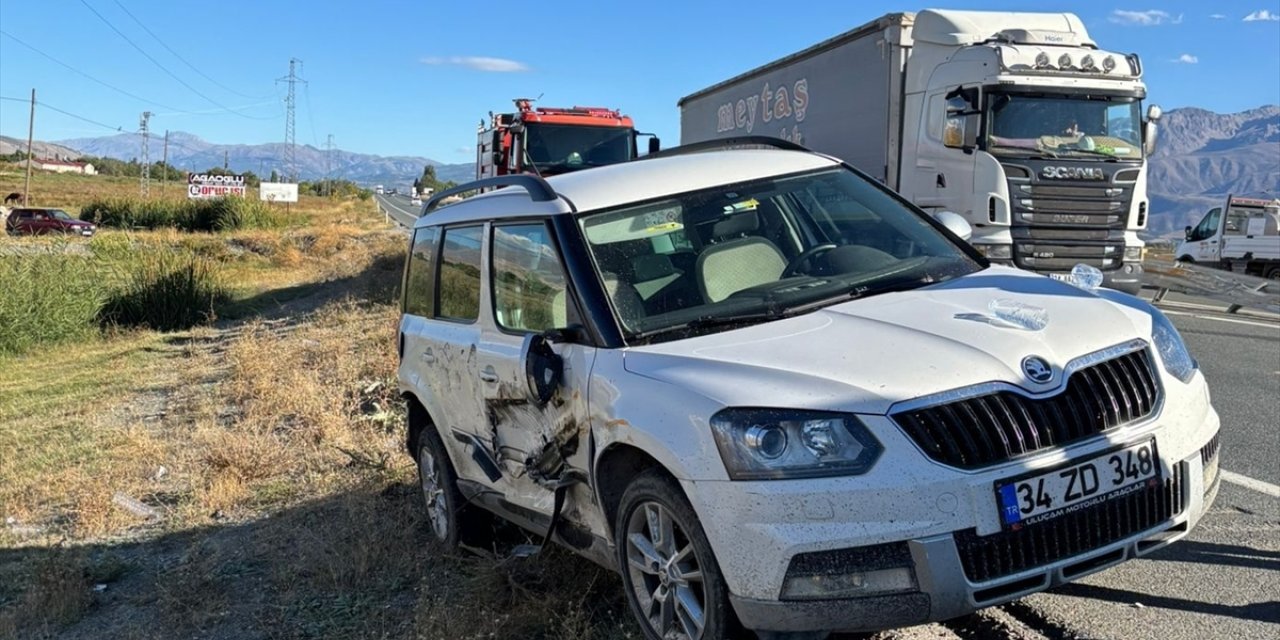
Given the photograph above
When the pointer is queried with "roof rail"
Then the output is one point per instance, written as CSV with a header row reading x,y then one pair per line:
x,y
720,144
539,190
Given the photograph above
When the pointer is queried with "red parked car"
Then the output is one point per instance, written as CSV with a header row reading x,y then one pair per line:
x,y
35,222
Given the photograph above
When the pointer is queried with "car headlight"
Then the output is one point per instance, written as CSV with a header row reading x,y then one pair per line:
x,y
764,444
1173,351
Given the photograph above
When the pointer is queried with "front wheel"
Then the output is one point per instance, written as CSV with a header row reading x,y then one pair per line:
x,y
669,573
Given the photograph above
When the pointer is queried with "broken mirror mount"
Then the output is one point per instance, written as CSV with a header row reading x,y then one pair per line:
x,y
543,367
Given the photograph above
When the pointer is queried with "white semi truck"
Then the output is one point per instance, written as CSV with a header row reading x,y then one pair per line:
x,y
1243,236
1016,121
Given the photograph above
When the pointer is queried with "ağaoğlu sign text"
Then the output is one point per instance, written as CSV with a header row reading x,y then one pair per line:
x,y
203,185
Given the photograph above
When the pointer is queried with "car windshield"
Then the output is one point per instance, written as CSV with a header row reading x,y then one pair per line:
x,y
559,148
763,250
1102,127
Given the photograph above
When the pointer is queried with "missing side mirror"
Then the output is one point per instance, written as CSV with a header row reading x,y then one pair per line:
x,y
543,368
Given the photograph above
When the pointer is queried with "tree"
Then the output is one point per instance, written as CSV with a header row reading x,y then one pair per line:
x,y
275,176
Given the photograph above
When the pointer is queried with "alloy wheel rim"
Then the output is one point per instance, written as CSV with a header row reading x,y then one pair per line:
x,y
665,573
433,494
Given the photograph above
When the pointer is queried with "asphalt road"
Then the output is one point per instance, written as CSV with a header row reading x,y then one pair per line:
x,y
1222,581
399,208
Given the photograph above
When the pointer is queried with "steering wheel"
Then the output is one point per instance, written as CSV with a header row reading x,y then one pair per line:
x,y
808,254
1124,132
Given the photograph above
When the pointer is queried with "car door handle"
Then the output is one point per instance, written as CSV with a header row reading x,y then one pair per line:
x,y
489,375
428,357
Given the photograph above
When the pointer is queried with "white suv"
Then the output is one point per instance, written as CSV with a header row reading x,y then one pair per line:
x,y
772,394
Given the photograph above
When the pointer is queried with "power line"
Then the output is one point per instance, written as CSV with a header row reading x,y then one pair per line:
x,y
77,71
65,113
179,57
165,69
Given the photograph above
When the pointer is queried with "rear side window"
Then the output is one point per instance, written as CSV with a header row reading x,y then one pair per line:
x,y
420,282
459,281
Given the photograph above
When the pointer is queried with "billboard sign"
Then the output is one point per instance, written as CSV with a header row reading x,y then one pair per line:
x,y
278,192
202,186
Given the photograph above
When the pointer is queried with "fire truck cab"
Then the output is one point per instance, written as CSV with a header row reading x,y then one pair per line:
x,y
551,140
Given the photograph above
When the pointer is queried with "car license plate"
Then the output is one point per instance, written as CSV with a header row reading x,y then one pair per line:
x,y
1064,277
1078,485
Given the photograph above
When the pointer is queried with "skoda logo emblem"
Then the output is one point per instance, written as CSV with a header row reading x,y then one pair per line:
x,y
1037,369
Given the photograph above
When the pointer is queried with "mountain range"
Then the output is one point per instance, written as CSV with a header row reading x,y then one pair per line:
x,y
190,152
1201,157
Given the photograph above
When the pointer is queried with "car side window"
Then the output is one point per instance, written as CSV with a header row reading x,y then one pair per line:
x,y
529,285
420,282
458,281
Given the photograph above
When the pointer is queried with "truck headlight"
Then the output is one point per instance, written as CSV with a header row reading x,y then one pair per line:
x,y
1173,351
766,444
1134,254
995,251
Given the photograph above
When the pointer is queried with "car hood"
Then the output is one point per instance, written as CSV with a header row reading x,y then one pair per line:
x,y
865,355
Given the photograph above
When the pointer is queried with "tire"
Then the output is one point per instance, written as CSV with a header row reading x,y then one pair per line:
x,y
1273,273
447,515
1186,259
667,564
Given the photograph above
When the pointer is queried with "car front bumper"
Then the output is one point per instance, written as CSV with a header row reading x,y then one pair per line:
x,y
757,529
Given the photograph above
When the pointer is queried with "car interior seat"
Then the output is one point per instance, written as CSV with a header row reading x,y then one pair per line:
x,y
736,259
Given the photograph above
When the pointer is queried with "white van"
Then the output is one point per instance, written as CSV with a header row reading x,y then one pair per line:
x,y
772,394
1245,239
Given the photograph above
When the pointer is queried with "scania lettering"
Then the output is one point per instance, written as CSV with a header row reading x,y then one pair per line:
x,y
1017,121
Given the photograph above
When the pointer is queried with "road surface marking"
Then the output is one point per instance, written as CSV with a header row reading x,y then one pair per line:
x,y
1249,483
1269,325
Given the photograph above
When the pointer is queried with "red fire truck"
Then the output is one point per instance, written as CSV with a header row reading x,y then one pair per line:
x,y
550,140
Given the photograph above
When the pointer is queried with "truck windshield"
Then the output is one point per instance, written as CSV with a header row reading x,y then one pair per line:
x,y
1057,125
758,251
557,148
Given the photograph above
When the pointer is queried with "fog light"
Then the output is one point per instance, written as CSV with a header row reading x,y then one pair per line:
x,y
1064,61
1134,254
995,251
849,585
1108,64
1042,60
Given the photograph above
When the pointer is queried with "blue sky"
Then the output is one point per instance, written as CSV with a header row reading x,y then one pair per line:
x,y
410,78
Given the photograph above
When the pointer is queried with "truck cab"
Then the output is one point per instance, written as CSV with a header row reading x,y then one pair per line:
x,y
549,140
1243,236
1020,123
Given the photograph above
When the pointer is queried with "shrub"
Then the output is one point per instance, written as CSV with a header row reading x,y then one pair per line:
x,y
46,298
166,291
218,214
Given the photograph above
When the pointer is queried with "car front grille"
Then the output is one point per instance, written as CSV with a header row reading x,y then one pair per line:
x,y
1009,552
987,429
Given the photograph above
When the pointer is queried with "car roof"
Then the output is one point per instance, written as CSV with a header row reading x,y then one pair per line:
x,y
624,183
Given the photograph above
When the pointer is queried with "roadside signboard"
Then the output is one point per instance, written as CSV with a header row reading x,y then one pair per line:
x,y
202,186
278,192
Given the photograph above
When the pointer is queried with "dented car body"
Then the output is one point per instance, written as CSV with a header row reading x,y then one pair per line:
x,y
770,393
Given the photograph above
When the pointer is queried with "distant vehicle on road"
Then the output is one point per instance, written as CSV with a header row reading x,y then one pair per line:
x,y
37,222
378,189
1246,238
416,201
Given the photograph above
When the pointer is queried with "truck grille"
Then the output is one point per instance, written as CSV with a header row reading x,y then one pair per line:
x,y
1063,254
1008,552
995,427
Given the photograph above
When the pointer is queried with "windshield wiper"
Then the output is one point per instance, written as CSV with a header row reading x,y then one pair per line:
x,y
711,321
1033,151
1095,152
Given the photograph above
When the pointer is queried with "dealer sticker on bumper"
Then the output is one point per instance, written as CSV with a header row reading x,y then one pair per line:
x,y
1078,485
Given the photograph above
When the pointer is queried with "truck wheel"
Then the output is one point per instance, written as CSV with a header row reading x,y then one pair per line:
x,y
670,576
446,513
1186,259
1273,273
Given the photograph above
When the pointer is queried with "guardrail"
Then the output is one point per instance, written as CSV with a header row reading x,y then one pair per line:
x,y
1236,290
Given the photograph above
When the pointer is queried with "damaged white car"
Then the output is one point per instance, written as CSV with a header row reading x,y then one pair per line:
x,y
773,395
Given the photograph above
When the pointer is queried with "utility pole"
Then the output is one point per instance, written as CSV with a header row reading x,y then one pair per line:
x,y
226,159
328,166
164,177
145,179
31,132
290,102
